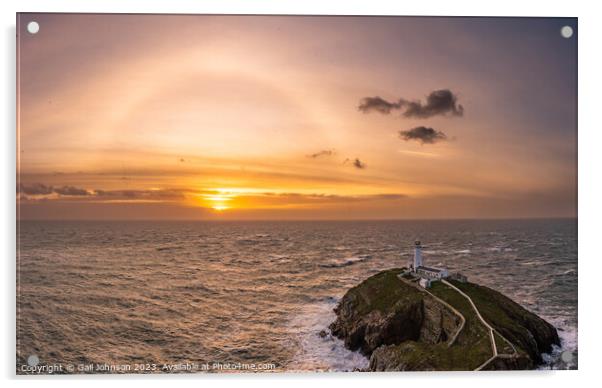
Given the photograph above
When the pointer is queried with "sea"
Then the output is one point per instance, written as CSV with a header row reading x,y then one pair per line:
x,y
163,297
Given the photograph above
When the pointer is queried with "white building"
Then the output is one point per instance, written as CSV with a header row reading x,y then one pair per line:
x,y
424,283
432,273
426,274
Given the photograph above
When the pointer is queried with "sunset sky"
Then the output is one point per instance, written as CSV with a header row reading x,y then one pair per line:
x,y
258,117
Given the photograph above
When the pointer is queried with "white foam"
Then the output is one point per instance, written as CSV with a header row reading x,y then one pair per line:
x,y
340,248
316,353
531,263
498,249
345,261
279,258
568,343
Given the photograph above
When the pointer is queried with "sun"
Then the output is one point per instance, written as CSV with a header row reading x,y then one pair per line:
x,y
218,201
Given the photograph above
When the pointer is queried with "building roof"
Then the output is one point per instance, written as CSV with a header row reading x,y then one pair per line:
x,y
429,269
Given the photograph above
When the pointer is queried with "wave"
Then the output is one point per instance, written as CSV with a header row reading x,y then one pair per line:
x,y
433,252
169,248
340,248
346,261
563,356
317,349
256,238
500,249
532,263
276,258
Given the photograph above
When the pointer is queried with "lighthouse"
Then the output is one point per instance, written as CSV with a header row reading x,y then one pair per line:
x,y
417,255
425,275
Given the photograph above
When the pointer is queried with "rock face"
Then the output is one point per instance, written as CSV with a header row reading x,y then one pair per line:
x,y
402,327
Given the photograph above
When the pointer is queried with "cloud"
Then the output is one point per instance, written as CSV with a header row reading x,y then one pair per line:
x,y
149,195
378,104
359,164
322,153
41,191
35,189
250,200
355,163
71,191
424,135
439,102
286,200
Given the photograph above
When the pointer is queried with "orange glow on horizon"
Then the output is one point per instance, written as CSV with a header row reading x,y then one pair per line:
x,y
219,201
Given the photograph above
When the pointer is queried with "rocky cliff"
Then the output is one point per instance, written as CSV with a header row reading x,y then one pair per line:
x,y
403,327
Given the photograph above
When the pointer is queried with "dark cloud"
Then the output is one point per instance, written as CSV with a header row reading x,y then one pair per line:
x,y
326,198
40,189
155,195
388,196
321,153
425,135
358,163
439,102
355,163
70,190
34,189
378,104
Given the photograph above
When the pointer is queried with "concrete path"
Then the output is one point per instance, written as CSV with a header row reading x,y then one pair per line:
x,y
491,329
491,337
453,338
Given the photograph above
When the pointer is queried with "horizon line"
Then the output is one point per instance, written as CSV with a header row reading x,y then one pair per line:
x,y
303,220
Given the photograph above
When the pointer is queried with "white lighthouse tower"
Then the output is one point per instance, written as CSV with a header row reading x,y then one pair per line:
x,y
417,255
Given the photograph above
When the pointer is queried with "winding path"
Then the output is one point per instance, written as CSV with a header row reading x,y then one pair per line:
x,y
452,308
491,329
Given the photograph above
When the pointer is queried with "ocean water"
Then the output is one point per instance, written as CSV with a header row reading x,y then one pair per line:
x,y
233,294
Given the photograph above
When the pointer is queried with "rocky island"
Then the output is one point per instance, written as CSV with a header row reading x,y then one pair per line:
x,y
451,325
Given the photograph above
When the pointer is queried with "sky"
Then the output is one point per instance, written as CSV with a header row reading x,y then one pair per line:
x,y
197,117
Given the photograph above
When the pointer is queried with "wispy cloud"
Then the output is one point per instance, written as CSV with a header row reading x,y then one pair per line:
x,y
419,153
356,162
154,194
332,198
34,189
322,153
43,191
39,192
71,191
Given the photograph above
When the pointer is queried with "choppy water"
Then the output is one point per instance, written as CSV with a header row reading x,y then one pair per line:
x,y
257,292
